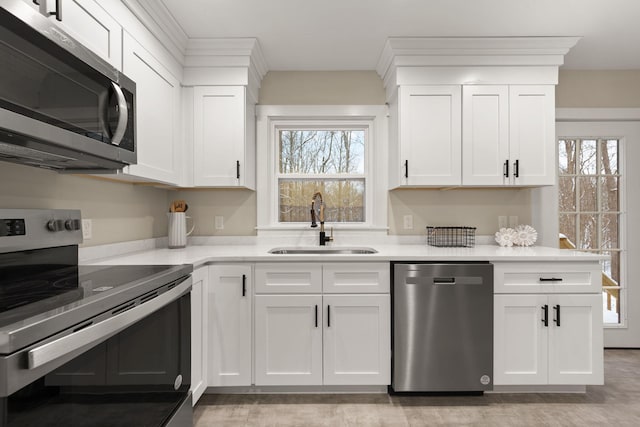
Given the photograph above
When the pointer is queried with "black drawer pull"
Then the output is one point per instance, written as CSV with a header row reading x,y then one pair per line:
x,y
551,279
444,280
545,315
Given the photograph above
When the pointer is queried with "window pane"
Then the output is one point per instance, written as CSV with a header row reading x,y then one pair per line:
x,y
610,239
609,156
343,200
588,232
588,193
611,305
568,227
322,151
612,269
609,186
587,157
567,193
567,156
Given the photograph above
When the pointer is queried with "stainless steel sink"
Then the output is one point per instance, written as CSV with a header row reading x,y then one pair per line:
x,y
322,251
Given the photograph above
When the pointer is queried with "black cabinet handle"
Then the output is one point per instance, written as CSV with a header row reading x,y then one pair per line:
x,y
406,168
238,169
556,308
550,279
316,315
58,11
545,315
328,316
506,169
516,169
244,285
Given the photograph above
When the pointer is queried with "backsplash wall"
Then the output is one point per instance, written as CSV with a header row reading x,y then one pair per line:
x,y
119,211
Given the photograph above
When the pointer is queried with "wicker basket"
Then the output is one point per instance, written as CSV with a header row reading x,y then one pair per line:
x,y
451,237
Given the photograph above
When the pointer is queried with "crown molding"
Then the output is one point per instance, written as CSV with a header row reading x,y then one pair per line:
x,y
200,53
472,51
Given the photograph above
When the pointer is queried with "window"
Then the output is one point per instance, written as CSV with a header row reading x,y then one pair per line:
x,y
338,150
590,207
330,161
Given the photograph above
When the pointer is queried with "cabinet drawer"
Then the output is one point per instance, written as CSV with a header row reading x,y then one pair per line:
x,y
281,278
353,278
547,277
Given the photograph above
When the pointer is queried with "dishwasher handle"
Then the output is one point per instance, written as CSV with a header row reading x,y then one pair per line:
x,y
444,280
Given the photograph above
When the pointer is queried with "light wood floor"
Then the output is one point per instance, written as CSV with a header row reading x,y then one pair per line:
x,y
617,403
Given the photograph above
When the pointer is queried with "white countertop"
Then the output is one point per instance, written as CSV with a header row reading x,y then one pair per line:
x,y
199,255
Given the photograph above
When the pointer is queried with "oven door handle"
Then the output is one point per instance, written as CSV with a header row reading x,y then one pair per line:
x,y
99,332
123,115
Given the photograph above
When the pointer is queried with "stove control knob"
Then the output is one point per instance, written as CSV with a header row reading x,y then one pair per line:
x,y
55,225
72,224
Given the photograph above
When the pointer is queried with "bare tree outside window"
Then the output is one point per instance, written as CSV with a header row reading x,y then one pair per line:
x,y
331,161
589,207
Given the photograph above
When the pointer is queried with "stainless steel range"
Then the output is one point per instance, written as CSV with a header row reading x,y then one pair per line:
x,y
88,345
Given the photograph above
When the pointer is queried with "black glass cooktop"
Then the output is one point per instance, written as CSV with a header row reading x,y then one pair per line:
x,y
38,289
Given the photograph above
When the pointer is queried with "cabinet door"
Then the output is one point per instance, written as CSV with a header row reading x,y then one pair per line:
x,y
532,134
288,340
88,23
199,332
357,340
485,135
575,339
430,135
520,340
229,352
157,115
219,136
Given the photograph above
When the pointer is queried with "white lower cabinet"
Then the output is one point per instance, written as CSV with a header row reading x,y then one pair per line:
x,y
229,325
199,324
315,340
356,338
288,339
548,339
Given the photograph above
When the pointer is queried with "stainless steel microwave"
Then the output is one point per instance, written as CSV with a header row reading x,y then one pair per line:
x,y
61,106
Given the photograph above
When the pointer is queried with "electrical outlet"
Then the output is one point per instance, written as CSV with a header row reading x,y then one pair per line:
x,y
513,221
408,222
87,229
219,222
502,221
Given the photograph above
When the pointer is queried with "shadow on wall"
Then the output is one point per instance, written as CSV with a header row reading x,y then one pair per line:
x,y
457,207
236,207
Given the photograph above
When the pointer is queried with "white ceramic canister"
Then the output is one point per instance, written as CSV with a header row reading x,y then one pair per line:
x,y
178,229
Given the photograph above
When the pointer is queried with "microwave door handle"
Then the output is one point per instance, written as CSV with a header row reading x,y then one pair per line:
x,y
123,117
99,332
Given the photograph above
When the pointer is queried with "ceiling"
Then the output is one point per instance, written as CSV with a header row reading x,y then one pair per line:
x,y
350,34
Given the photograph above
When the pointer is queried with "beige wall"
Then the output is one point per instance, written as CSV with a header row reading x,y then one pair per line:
x,y
322,88
119,211
598,88
237,207
459,207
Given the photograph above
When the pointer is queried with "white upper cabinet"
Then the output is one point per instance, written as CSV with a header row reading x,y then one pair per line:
x,y
485,135
532,134
157,115
508,135
428,136
223,137
87,22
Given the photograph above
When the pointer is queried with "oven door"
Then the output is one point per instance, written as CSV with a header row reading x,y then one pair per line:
x,y
139,376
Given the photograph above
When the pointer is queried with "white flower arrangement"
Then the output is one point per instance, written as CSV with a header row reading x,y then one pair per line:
x,y
523,235
506,237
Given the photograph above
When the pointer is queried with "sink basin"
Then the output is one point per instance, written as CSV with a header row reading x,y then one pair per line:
x,y
322,251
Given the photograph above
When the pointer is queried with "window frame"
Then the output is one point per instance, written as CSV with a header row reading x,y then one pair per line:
x,y
272,118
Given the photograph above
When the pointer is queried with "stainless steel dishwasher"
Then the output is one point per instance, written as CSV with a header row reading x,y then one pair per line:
x,y
442,327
